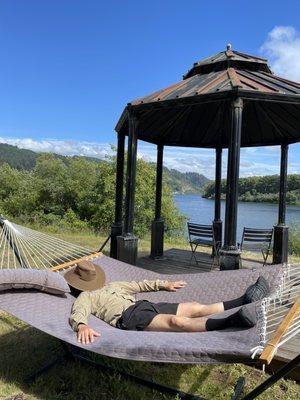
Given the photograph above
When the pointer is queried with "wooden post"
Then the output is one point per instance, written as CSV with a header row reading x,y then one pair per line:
x,y
280,248
127,243
117,227
217,222
230,254
157,229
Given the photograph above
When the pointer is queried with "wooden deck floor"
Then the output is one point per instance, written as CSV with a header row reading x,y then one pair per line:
x,y
177,261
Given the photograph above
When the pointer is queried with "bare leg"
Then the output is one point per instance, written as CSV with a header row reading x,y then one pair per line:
x,y
195,310
174,323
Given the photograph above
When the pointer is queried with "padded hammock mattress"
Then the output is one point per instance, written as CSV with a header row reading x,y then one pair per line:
x,y
50,313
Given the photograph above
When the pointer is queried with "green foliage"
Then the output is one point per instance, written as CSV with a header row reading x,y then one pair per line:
x,y
184,182
260,189
79,193
294,238
188,182
17,158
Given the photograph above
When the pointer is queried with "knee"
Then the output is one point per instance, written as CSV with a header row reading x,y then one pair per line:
x,y
197,308
179,322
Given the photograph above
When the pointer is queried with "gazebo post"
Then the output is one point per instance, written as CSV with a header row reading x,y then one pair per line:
x,y
230,254
280,250
217,222
117,227
157,229
127,243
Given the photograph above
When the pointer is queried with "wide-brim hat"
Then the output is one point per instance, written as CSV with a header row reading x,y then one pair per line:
x,y
85,276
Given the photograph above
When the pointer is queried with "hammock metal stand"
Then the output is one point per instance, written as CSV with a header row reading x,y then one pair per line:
x,y
281,373
72,353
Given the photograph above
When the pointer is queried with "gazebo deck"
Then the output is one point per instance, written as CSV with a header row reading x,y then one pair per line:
x,y
177,261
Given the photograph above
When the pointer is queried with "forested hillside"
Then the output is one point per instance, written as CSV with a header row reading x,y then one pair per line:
x,y
79,193
188,182
26,159
17,158
261,189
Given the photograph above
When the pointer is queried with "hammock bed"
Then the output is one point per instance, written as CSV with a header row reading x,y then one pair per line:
x,y
50,313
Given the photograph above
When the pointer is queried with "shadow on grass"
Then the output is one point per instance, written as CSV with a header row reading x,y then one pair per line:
x,y
24,350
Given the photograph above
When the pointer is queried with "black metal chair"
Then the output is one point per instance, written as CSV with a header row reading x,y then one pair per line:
x,y
202,235
257,240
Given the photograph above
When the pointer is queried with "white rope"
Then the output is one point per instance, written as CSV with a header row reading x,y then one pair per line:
x,y
274,308
62,253
24,247
2,243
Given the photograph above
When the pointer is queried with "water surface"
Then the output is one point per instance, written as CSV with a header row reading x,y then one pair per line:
x,y
252,215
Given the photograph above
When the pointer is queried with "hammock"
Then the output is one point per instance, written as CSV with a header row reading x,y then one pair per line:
x,y
50,313
27,248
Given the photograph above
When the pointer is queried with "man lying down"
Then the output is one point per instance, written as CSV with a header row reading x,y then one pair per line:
x,y
115,304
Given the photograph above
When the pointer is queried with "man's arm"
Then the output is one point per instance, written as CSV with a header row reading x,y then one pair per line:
x,y
81,310
148,286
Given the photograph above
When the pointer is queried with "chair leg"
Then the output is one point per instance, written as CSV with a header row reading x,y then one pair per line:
x,y
265,256
193,256
215,257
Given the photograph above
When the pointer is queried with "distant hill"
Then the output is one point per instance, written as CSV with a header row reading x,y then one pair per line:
x,y
185,182
179,182
17,158
260,189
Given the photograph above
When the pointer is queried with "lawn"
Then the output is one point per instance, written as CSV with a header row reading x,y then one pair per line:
x,y
24,349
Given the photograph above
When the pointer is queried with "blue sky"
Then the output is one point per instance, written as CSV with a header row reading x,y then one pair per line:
x,y
68,68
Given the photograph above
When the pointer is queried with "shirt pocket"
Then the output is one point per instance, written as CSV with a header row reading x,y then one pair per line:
x,y
121,294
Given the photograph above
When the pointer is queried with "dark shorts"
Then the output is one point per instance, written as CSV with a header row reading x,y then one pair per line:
x,y
138,316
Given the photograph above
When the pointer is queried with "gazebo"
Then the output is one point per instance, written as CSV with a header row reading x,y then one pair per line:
x,y
230,100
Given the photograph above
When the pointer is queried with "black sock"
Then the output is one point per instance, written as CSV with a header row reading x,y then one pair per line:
x,y
234,303
241,319
257,291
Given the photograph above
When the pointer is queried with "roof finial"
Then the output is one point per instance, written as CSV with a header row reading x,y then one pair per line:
x,y
228,47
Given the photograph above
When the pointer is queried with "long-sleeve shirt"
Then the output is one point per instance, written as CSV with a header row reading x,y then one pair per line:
x,y
109,302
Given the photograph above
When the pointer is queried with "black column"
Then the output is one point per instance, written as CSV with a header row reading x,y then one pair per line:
x,y
230,255
127,243
280,250
157,231
117,227
217,222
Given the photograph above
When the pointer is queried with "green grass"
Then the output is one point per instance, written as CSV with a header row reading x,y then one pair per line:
x,y
24,349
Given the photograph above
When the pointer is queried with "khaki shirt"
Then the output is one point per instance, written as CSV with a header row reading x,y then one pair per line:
x,y
109,302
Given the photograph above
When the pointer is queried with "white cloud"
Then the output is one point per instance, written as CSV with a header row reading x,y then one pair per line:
x,y
63,147
282,47
261,161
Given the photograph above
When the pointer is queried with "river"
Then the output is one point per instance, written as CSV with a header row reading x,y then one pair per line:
x,y
252,215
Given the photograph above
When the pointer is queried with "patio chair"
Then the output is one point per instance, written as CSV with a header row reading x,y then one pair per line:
x,y
257,240
202,235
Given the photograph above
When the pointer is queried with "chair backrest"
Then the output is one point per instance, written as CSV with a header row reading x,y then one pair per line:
x,y
257,238
200,231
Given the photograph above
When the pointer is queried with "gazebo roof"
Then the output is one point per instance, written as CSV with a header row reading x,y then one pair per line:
x,y
226,59
221,81
196,111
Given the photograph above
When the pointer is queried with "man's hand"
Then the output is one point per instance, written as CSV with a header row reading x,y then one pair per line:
x,y
174,286
85,334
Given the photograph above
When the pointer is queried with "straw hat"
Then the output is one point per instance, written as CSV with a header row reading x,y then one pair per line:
x,y
85,276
